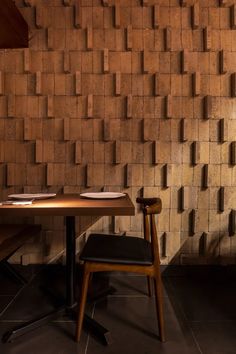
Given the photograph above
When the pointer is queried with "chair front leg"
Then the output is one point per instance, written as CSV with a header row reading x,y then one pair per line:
x,y
82,303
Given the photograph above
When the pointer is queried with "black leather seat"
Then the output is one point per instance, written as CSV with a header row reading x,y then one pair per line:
x,y
117,249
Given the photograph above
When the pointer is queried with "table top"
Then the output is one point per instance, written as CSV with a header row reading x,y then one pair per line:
x,y
71,205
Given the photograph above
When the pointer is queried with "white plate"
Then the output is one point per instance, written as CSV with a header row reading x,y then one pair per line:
x,y
103,195
32,196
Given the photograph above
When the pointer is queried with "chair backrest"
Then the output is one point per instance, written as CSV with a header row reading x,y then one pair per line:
x,y
151,207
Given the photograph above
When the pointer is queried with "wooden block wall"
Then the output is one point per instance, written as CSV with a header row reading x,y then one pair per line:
x,y
133,96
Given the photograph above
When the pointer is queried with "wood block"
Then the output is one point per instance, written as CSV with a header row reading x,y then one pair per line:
x,y
128,175
78,152
151,129
10,175
233,16
185,61
105,61
208,107
11,100
222,199
196,83
233,85
2,152
50,106
223,3
38,83
195,152
50,174
129,108
78,86
156,16
205,176
28,3
156,84
233,153
66,2
168,102
27,129
223,62
39,16
156,154
145,62
50,38
145,2
184,133
106,130
223,126
207,38
167,37
117,16
129,38
90,106
89,38
117,158
89,175
118,83
105,2
66,62
232,222
167,170
203,244
26,54
195,16
38,151
1,83
77,15
95,175
163,245
183,3
184,198
66,129
192,222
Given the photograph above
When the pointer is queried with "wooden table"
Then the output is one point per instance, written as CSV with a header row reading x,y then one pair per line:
x,y
68,206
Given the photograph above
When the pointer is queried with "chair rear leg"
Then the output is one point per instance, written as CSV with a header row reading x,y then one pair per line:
x,y
159,307
82,303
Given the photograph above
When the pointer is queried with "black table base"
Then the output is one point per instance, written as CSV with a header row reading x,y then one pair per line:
x,y
90,324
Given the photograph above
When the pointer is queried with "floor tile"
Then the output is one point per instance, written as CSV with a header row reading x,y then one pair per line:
x,y
205,299
10,287
4,302
133,326
215,337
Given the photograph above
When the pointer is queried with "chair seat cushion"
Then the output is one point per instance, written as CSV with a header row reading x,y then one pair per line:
x,y
117,249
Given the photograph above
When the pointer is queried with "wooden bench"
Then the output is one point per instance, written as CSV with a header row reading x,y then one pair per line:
x,y
12,237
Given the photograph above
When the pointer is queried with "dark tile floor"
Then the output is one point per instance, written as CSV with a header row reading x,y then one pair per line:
x,y
200,314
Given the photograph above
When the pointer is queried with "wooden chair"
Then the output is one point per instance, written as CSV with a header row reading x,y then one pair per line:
x,y
12,237
104,253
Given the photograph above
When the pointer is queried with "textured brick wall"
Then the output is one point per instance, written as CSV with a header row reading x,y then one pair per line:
x,y
130,95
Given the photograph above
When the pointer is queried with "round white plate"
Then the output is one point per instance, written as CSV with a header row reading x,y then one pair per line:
x,y
103,195
32,196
